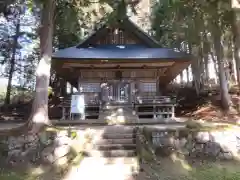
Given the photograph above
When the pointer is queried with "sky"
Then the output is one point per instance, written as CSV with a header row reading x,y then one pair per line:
x,y
28,22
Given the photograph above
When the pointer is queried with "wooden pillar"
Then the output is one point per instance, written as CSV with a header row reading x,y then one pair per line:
x,y
57,87
63,86
102,93
132,91
162,88
137,88
173,111
79,84
158,93
158,83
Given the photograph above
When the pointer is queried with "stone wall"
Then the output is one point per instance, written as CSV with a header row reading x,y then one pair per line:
x,y
53,146
218,144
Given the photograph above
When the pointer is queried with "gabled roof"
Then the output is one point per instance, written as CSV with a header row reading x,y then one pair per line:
x,y
125,23
150,49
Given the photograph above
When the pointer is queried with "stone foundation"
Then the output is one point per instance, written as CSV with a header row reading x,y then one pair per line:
x,y
218,144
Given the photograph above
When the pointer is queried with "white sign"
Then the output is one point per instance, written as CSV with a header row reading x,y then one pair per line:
x,y
77,104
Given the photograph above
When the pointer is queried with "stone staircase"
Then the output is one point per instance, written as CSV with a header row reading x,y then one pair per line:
x,y
114,141
112,156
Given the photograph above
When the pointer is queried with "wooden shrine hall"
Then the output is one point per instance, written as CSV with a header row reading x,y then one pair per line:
x,y
120,71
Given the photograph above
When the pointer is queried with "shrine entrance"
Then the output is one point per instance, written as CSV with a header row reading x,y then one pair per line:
x,y
116,92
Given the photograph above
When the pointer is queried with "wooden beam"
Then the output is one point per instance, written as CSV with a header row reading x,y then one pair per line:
x,y
112,79
173,71
99,69
118,65
116,61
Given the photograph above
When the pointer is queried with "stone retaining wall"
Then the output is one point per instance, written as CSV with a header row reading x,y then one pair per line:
x,y
51,146
219,144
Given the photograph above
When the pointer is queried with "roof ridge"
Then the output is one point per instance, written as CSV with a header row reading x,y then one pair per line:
x,y
124,18
141,29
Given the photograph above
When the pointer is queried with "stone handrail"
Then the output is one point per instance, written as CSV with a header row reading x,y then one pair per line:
x,y
143,144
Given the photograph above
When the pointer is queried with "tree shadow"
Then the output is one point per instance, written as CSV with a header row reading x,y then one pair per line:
x,y
46,157
116,149
175,167
198,162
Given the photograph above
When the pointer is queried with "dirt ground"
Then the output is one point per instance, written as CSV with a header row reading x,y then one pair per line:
x,y
175,168
167,168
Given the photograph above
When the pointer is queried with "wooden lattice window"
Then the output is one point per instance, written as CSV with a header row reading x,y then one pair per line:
x,y
117,36
148,87
90,87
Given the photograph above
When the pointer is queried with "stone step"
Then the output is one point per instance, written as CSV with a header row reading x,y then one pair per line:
x,y
129,162
119,129
118,136
115,141
116,147
113,153
117,160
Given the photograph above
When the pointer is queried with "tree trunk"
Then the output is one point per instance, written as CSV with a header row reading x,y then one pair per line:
x,y
225,98
236,41
40,104
200,67
12,64
231,62
188,76
214,64
234,68
195,69
205,58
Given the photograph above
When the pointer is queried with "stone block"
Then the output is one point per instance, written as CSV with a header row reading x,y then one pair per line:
x,y
14,152
32,138
49,158
180,143
199,148
202,137
48,150
225,156
163,151
212,149
227,140
164,141
16,142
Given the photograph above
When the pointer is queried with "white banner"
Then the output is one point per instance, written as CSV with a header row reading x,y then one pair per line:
x,y
77,104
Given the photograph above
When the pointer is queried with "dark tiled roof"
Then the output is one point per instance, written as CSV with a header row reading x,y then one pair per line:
x,y
119,52
150,49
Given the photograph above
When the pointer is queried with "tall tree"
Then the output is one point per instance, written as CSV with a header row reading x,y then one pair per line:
x,y
236,36
12,60
39,115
